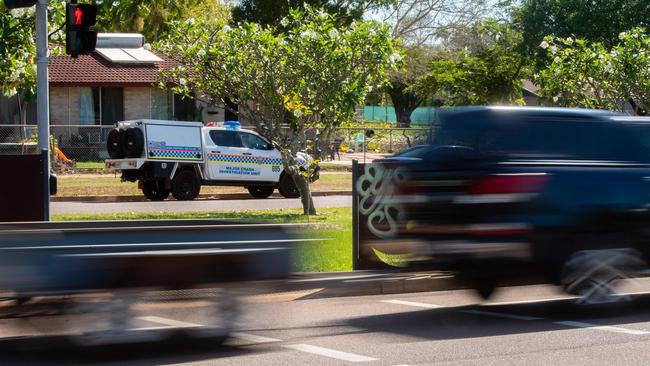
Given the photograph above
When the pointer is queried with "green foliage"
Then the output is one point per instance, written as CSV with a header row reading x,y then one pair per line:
x,y
271,12
312,75
487,71
18,48
594,20
591,75
152,17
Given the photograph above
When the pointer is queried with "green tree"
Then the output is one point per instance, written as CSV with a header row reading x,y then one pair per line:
x,y
18,50
152,17
271,12
420,26
286,84
405,100
592,75
488,70
594,20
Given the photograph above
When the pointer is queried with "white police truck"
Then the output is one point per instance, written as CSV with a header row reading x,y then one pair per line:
x,y
179,157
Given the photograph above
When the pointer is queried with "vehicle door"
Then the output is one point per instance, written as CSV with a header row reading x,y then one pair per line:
x,y
268,162
227,158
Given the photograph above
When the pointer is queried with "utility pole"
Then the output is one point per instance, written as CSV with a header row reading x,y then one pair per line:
x,y
43,100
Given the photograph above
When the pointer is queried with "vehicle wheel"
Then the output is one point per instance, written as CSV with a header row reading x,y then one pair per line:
x,y
186,186
155,190
288,188
132,142
593,275
114,144
260,192
479,281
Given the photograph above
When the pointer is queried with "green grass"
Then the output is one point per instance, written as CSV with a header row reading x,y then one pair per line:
x,y
82,185
89,165
333,225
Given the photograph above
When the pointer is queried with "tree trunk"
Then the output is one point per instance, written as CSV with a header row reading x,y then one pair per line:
x,y
302,184
405,103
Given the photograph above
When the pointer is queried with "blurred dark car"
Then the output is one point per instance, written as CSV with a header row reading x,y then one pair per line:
x,y
504,193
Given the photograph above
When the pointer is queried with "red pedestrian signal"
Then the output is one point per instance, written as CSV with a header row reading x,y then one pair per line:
x,y
78,16
80,37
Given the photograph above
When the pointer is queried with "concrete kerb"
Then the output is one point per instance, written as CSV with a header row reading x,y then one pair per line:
x,y
381,285
223,196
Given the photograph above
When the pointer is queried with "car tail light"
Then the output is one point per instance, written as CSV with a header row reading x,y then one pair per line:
x,y
509,183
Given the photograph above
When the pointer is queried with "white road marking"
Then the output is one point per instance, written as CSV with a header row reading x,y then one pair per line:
x,y
169,322
339,355
254,338
535,301
501,315
602,327
412,303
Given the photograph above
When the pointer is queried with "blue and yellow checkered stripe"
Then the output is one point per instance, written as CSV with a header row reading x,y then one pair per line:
x,y
243,159
174,154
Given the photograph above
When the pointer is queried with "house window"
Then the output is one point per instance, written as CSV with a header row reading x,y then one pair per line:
x,y
101,106
167,105
184,108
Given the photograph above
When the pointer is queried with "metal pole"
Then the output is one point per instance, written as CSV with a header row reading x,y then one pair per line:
x,y
364,145
355,215
43,100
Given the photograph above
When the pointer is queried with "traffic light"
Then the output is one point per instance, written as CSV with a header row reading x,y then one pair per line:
x,y
15,4
80,37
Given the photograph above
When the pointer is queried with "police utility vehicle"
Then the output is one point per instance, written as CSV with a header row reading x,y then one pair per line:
x,y
179,157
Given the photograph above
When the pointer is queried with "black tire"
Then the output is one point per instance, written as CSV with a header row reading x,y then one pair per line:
x,y
155,190
132,142
480,280
593,275
260,192
114,144
186,186
288,188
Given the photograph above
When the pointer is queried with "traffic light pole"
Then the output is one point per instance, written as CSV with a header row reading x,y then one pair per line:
x,y
43,101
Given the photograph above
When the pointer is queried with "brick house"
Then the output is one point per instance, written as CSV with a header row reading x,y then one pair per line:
x,y
114,83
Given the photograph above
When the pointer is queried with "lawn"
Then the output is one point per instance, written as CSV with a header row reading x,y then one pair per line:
x,y
109,185
333,225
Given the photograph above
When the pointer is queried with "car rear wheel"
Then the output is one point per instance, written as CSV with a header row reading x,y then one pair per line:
x,y
132,142
594,275
155,190
288,188
260,192
185,186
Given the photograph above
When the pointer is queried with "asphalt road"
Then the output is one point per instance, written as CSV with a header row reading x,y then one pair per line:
x,y
193,206
532,325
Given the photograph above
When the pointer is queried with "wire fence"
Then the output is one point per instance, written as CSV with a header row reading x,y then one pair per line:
x,y
87,143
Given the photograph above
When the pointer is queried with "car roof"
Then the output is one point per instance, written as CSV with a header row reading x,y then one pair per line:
x,y
531,112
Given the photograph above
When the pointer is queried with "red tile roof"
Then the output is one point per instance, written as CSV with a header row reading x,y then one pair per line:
x,y
95,70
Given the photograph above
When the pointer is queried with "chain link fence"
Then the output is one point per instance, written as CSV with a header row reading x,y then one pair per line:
x,y
88,143
76,142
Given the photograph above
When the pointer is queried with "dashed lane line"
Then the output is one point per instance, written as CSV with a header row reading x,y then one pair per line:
x,y
602,327
254,338
168,322
413,303
567,323
171,323
327,352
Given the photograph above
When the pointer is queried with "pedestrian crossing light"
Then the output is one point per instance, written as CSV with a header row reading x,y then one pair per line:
x,y
81,38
